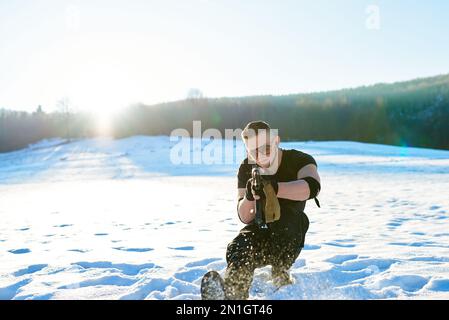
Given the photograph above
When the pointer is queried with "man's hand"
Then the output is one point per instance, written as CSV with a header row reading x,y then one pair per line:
x,y
252,194
245,207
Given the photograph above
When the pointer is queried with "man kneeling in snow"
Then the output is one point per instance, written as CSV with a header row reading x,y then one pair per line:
x,y
294,178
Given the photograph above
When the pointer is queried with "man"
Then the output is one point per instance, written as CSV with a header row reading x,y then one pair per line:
x,y
294,177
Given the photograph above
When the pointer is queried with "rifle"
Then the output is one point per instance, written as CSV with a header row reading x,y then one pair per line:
x,y
260,204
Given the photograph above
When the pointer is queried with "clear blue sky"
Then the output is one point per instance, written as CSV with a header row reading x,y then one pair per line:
x,y
106,54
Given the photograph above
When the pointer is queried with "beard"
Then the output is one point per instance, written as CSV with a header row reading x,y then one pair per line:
x,y
269,165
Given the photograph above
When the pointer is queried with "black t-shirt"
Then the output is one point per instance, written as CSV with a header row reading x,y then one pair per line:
x,y
292,162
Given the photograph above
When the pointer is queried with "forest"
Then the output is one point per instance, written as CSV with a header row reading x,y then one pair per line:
x,y
411,113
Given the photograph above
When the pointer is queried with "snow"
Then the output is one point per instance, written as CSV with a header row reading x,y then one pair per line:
x,y
105,219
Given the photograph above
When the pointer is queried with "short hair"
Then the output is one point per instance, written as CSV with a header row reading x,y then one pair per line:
x,y
253,128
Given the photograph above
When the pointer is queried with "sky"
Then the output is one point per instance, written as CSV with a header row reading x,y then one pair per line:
x,y
104,55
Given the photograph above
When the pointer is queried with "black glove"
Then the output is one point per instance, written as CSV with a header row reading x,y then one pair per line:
x,y
248,193
249,186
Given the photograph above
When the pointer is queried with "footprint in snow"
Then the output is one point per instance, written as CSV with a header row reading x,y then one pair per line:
x,y
19,251
341,258
311,247
30,269
182,248
342,245
78,250
133,249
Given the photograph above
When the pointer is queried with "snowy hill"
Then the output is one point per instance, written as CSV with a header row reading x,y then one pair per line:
x,y
98,218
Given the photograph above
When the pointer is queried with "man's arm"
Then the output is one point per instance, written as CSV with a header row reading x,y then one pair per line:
x,y
294,190
299,190
245,207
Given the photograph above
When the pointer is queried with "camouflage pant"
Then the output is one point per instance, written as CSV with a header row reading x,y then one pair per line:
x,y
279,246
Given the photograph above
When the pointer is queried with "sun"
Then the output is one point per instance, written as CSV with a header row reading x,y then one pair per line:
x,y
103,106
103,91
104,124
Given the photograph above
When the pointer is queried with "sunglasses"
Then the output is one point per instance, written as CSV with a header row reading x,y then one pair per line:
x,y
262,150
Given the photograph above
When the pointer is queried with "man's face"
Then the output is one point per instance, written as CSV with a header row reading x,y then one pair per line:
x,y
262,148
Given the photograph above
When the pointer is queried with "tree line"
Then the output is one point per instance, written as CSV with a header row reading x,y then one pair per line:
x,y
412,113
